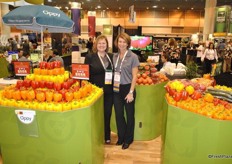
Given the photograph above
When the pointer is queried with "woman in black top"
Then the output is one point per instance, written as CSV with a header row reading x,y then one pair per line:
x,y
101,74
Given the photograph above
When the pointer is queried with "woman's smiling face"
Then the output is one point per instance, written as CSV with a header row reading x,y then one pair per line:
x,y
101,45
122,44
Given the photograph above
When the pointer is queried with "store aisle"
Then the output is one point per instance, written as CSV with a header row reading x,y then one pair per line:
x,y
140,152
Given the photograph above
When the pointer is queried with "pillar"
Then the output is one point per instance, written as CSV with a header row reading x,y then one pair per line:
x,y
5,30
209,18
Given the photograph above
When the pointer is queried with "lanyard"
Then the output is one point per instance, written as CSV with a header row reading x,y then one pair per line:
x,y
103,62
121,62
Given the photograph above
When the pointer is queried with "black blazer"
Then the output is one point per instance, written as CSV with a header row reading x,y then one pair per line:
x,y
97,71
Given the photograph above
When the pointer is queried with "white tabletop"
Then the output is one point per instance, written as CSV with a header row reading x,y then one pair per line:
x,y
6,81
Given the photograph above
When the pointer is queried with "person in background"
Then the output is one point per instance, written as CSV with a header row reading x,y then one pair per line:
x,y
167,65
47,55
200,52
56,57
101,74
26,46
126,68
24,57
191,52
90,45
209,57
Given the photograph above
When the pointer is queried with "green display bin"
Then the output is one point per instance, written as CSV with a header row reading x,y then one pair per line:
x,y
3,71
148,112
71,137
193,138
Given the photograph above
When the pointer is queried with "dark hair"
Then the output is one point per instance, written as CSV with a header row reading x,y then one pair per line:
x,y
100,37
55,52
211,44
125,37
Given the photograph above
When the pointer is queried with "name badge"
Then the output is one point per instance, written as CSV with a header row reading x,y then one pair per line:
x,y
116,81
108,77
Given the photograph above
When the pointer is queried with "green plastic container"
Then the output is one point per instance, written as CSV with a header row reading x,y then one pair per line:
x,y
192,138
148,112
72,137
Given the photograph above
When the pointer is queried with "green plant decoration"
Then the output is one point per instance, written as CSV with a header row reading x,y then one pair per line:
x,y
191,70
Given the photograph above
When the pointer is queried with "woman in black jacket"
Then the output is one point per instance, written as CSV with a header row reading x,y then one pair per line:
x,y
101,73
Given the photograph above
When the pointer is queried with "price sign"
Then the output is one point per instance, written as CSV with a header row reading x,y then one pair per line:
x,y
21,68
80,71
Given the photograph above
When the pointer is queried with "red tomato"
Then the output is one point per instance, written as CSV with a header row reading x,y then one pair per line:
x,y
65,85
57,64
34,84
57,86
63,91
42,84
27,83
177,96
184,95
19,84
50,65
49,84
43,65
144,75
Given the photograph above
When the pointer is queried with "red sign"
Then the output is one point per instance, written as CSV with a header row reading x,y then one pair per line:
x,y
21,68
80,71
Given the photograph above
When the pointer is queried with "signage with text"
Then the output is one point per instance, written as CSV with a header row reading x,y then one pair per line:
x,y
80,71
21,68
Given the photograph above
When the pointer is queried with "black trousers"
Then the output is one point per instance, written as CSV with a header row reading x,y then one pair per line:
x,y
125,126
208,65
108,104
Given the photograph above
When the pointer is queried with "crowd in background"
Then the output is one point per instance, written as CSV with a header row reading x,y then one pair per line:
x,y
203,54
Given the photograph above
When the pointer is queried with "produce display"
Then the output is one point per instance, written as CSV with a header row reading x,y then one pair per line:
x,y
148,75
54,92
199,96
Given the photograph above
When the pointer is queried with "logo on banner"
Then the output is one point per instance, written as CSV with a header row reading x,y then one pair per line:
x,y
25,116
221,16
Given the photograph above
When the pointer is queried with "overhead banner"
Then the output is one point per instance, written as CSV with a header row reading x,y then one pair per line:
x,y
132,14
91,23
230,28
76,17
221,20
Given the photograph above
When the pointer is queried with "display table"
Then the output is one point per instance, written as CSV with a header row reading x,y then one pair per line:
x,y
148,112
192,138
70,137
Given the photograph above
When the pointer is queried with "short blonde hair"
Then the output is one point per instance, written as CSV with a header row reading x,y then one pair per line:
x,y
125,37
100,37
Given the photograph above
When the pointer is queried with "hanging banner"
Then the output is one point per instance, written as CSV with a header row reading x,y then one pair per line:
x,y
132,14
230,27
76,17
221,21
91,23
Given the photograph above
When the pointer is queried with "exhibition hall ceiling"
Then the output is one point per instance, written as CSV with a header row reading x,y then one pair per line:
x,y
117,5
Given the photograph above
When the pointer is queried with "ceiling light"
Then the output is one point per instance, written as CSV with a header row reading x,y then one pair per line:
x,y
147,8
154,6
119,8
178,8
192,8
98,6
163,8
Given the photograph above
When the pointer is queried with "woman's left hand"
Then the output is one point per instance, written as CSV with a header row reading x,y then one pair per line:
x,y
129,98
